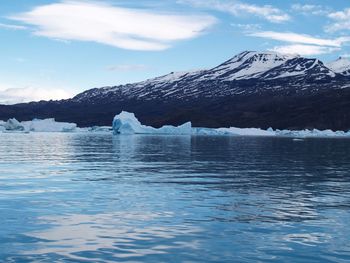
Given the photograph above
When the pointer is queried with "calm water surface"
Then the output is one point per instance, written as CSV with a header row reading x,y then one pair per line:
x,y
104,198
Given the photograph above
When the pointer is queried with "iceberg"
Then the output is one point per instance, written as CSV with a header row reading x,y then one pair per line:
x,y
127,123
48,125
97,129
37,125
13,125
285,133
209,132
248,131
2,126
311,133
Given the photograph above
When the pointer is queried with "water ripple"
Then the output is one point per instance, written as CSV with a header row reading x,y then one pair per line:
x,y
99,198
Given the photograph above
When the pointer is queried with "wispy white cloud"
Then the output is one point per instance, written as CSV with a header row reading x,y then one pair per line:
x,y
10,95
237,8
12,27
134,29
341,21
340,15
301,38
304,50
302,44
128,67
247,27
307,9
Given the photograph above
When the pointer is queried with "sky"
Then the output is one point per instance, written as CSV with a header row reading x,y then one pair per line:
x,y
57,49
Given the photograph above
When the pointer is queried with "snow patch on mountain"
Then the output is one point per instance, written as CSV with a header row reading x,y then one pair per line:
x,y
172,77
299,67
341,66
248,64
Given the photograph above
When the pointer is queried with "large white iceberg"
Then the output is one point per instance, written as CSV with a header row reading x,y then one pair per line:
x,y
127,123
37,125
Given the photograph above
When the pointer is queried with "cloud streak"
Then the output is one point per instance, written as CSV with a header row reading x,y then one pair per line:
x,y
307,9
236,8
28,94
302,44
12,27
304,50
126,28
341,21
300,38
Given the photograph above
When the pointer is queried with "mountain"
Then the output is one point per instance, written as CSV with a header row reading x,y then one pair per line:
x,y
252,89
341,65
246,65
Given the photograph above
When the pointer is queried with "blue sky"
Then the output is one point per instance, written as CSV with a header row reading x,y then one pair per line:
x,y
56,49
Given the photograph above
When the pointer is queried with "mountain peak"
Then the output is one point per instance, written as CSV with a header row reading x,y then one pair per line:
x,y
341,65
259,55
248,64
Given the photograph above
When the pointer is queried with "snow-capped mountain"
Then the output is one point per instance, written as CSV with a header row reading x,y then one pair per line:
x,y
246,65
252,89
229,78
341,65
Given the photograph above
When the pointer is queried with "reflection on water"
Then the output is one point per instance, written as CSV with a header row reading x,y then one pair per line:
x,y
117,233
104,198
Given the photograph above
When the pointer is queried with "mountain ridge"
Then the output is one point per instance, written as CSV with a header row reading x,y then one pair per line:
x,y
231,70
252,89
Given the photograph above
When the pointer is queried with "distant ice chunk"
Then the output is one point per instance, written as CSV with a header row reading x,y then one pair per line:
x,y
248,131
14,125
209,131
2,126
311,133
98,129
48,125
285,133
127,123
37,125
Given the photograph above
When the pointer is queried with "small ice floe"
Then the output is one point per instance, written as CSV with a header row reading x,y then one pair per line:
x,y
98,129
37,125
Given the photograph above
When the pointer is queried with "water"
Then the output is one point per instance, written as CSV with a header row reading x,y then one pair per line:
x,y
99,198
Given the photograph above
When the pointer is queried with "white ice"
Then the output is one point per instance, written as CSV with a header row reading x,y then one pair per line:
x,y
36,125
127,123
